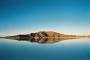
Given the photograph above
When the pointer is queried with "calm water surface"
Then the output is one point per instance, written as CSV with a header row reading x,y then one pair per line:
x,y
78,49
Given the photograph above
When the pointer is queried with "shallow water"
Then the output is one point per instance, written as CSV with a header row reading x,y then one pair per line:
x,y
78,49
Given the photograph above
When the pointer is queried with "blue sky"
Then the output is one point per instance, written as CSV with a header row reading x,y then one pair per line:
x,y
25,16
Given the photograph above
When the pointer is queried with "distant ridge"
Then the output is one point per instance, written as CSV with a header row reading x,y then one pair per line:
x,y
44,37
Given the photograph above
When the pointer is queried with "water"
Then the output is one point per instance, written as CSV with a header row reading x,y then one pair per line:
x,y
65,50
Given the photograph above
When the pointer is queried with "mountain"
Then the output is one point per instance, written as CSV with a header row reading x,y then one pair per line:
x,y
44,37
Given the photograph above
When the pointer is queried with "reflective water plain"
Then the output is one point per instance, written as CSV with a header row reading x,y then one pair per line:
x,y
77,49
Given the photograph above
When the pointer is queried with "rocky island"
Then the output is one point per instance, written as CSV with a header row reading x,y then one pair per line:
x,y
44,37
